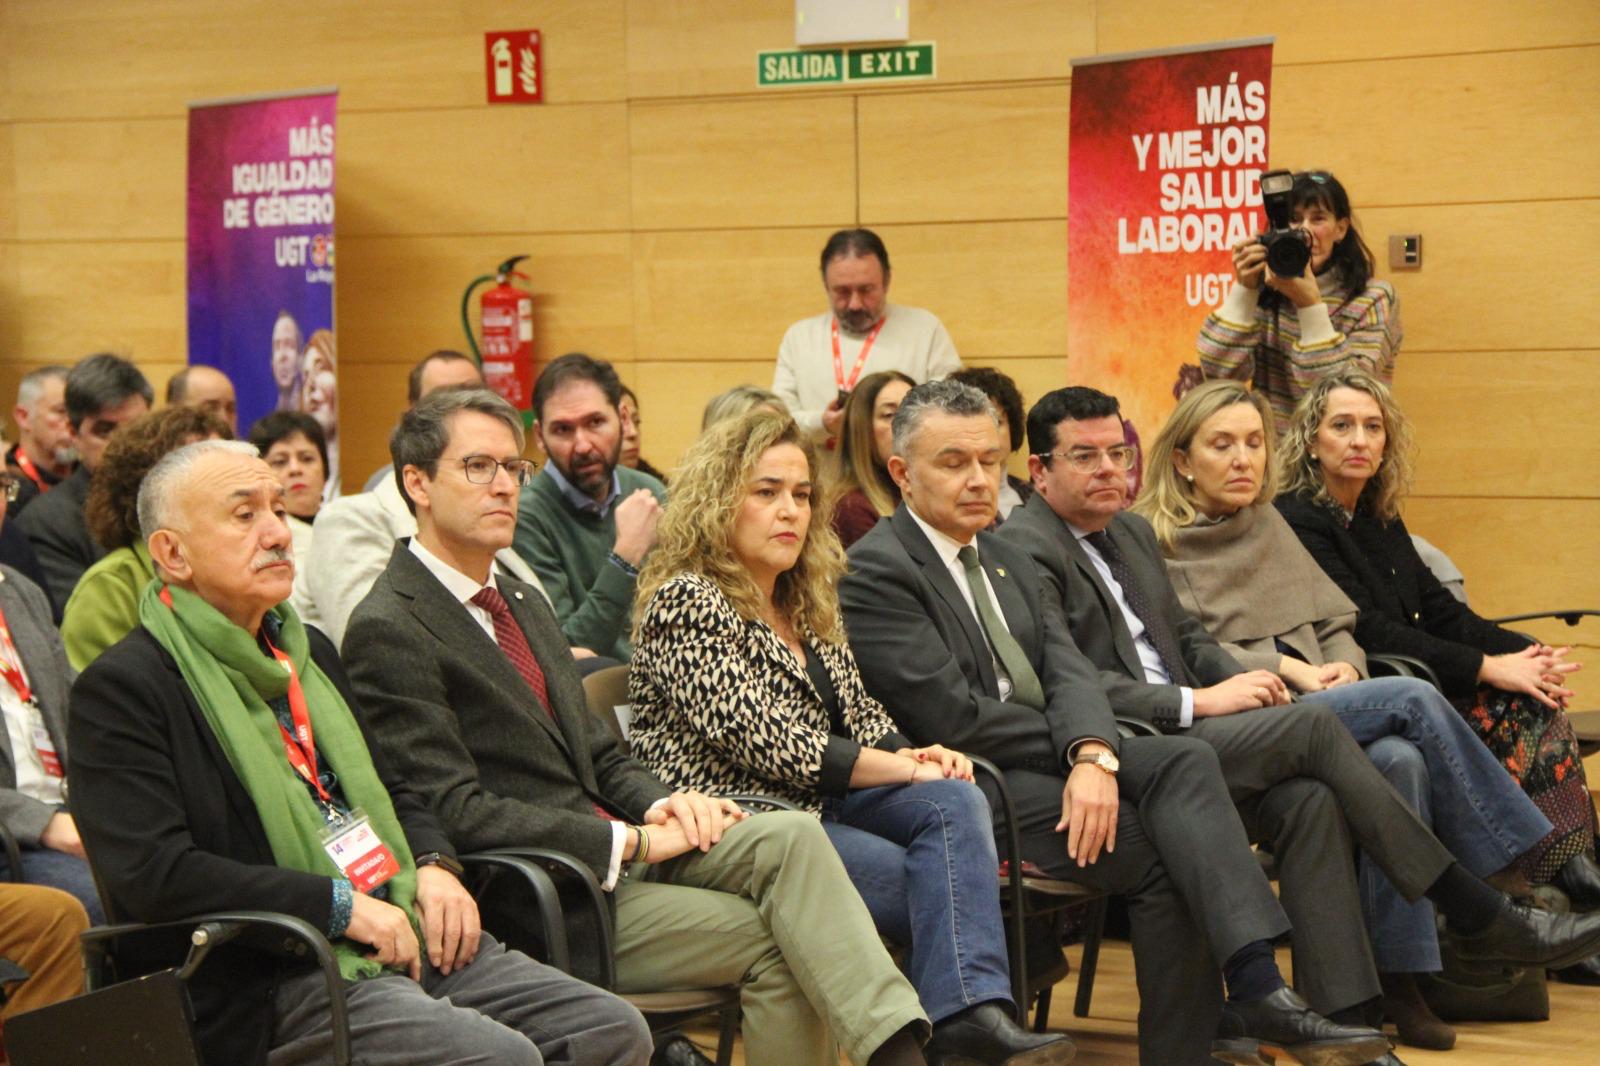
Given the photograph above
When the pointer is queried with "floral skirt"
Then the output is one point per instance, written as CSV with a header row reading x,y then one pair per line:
x,y
1539,749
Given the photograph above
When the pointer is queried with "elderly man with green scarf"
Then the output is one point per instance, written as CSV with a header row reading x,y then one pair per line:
x,y
222,768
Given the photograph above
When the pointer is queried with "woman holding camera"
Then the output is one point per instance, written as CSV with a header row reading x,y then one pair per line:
x,y
1285,333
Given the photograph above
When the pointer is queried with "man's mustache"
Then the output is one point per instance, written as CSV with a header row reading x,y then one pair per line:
x,y
271,557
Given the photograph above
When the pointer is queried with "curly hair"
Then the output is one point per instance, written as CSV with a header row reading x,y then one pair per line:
x,y
1002,392
1167,500
696,532
111,510
1299,472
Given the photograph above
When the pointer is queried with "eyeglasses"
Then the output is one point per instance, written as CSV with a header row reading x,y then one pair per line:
x,y
481,469
10,486
1087,460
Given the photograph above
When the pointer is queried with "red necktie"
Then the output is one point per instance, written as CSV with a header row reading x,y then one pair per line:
x,y
513,642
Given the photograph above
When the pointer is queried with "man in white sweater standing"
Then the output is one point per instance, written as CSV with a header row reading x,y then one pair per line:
x,y
822,357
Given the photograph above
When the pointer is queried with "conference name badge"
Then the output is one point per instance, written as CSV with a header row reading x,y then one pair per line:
x,y
361,856
48,758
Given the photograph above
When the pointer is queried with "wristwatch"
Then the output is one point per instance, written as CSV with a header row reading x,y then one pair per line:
x,y
1100,760
434,858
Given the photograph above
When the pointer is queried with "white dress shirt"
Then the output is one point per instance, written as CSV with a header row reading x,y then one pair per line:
x,y
463,588
949,550
1154,672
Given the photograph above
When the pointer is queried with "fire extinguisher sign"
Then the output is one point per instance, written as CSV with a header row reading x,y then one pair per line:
x,y
513,63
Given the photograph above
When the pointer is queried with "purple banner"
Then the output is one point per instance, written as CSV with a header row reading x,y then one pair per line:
x,y
261,255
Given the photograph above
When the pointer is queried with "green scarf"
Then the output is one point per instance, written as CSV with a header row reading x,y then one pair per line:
x,y
232,681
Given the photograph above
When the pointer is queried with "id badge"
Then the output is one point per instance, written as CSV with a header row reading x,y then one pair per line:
x,y
355,848
47,752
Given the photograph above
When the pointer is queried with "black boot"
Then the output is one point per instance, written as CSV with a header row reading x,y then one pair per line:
x,y
1285,1022
987,1034
675,1049
1579,878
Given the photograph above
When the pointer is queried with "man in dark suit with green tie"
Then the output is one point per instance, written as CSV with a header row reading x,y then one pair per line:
x,y
949,628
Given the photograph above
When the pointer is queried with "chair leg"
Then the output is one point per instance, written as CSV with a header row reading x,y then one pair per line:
x,y
730,1030
1041,1009
1094,927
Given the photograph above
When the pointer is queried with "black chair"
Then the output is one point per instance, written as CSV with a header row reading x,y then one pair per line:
x,y
1027,896
82,1030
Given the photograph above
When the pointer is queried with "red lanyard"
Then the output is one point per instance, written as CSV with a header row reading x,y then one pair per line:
x,y
861,360
299,746
11,663
32,471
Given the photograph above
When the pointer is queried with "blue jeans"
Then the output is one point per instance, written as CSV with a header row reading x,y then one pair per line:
x,y
57,869
1440,767
923,858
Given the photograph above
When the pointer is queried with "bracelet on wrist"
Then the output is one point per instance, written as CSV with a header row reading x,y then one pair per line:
x,y
642,851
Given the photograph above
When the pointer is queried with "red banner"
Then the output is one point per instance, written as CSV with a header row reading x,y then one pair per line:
x,y
1164,165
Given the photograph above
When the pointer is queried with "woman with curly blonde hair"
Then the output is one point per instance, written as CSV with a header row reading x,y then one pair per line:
x,y
1346,466
741,681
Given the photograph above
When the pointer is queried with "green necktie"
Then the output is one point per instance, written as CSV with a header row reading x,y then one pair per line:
x,y
1025,687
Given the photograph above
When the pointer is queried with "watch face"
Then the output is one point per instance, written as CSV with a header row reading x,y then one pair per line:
x,y
1107,762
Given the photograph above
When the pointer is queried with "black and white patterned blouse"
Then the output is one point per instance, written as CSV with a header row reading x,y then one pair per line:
x,y
721,704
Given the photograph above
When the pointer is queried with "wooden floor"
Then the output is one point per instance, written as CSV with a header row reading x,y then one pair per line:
x,y
1107,1037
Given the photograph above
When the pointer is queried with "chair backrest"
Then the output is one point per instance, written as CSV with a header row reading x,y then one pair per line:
x,y
605,691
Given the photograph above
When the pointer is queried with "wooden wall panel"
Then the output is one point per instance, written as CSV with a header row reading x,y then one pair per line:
x,y
100,180
674,397
492,170
1487,281
1517,555
709,48
996,153
743,163
134,306
999,287
8,179
408,302
1494,424
725,294
1348,30
1449,137
703,47
399,56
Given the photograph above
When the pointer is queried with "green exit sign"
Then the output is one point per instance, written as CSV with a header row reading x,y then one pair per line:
x,y
833,65
899,61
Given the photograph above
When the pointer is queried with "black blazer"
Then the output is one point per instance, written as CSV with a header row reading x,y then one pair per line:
x,y
1096,621
60,537
453,714
1404,609
172,832
923,655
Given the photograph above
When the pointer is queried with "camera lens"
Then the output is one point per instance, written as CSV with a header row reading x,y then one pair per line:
x,y
1288,252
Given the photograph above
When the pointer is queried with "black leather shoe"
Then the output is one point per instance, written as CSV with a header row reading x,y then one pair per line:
x,y
1579,878
1283,1022
1586,972
986,1035
678,1051
1390,1059
1523,936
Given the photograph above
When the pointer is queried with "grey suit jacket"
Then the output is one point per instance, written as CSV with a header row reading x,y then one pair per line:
x,y
452,714
923,655
50,676
1096,621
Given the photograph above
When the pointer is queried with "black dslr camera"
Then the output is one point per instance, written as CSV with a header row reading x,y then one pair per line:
x,y
1288,246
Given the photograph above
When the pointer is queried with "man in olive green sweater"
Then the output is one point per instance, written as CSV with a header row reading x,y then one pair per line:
x,y
585,523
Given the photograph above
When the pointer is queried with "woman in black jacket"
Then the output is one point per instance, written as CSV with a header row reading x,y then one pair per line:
x,y
1345,463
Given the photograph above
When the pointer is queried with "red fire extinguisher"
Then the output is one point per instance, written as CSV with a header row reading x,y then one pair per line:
x,y
506,323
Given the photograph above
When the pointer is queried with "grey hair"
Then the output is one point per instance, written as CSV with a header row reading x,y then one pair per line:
x,y
949,397
738,402
32,383
159,489
423,433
